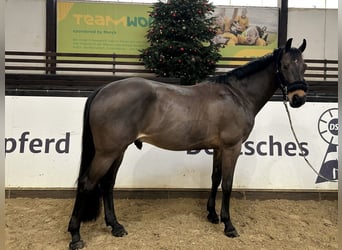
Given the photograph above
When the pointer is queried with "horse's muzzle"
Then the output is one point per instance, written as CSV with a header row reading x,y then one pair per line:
x,y
296,93
297,100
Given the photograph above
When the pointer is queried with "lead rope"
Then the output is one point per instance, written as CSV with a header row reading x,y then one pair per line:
x,y
298,144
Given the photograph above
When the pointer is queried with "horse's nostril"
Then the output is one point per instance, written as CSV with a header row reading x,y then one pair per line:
x,y
295,99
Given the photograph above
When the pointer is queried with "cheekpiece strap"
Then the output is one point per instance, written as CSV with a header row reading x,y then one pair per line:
x,y
282,84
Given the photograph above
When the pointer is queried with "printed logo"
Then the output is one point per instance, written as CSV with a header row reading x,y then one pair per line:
x,y
25,143
328,130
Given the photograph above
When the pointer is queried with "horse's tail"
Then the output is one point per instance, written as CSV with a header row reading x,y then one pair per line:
x,y
89,199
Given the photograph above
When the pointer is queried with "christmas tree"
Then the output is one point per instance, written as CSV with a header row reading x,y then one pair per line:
x,y
180,40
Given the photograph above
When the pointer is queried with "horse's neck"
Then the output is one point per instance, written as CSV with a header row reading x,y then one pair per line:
x,y
258,88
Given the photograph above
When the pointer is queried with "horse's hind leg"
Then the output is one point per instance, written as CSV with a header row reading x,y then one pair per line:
x,y
87,201
107,184
75,223
216,180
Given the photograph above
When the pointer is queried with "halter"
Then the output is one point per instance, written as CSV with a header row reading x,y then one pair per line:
x,y
284,85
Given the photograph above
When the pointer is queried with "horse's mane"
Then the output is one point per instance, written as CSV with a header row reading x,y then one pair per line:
x,y
249,68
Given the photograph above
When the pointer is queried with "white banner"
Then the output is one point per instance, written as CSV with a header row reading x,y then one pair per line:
x,y
43,145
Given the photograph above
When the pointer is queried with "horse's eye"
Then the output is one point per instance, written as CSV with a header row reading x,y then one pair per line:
x,y
285,66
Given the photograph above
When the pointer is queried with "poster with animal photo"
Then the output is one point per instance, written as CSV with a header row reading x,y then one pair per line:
x,y
246,31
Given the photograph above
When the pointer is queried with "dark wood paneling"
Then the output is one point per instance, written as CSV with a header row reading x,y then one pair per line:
x,y
69,73
179,193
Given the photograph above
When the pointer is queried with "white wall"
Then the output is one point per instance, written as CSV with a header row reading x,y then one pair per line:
x,y
319,27
25,28
43,147
25,25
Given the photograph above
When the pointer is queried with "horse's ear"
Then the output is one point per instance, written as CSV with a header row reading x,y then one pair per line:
x,y
303,46
288,45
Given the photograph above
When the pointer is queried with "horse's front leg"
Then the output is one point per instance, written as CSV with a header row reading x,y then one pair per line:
x,y
229,158
216,181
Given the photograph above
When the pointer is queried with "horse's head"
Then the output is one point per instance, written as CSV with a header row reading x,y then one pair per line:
x,y
290,72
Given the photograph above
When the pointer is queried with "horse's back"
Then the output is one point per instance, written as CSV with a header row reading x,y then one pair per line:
x,y
123,93
135,91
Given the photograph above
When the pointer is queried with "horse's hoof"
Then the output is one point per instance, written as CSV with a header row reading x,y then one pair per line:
x,y
119,231
213,218
76,245
231,233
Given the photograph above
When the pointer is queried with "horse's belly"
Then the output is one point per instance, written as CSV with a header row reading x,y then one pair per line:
x,y
178,143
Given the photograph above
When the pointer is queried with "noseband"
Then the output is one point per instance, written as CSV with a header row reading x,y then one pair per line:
x,y
284,85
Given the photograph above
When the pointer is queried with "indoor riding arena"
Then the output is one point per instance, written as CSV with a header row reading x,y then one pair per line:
x,y
217,121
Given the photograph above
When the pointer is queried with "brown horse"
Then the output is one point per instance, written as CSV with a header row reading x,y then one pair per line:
x,y
218,114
